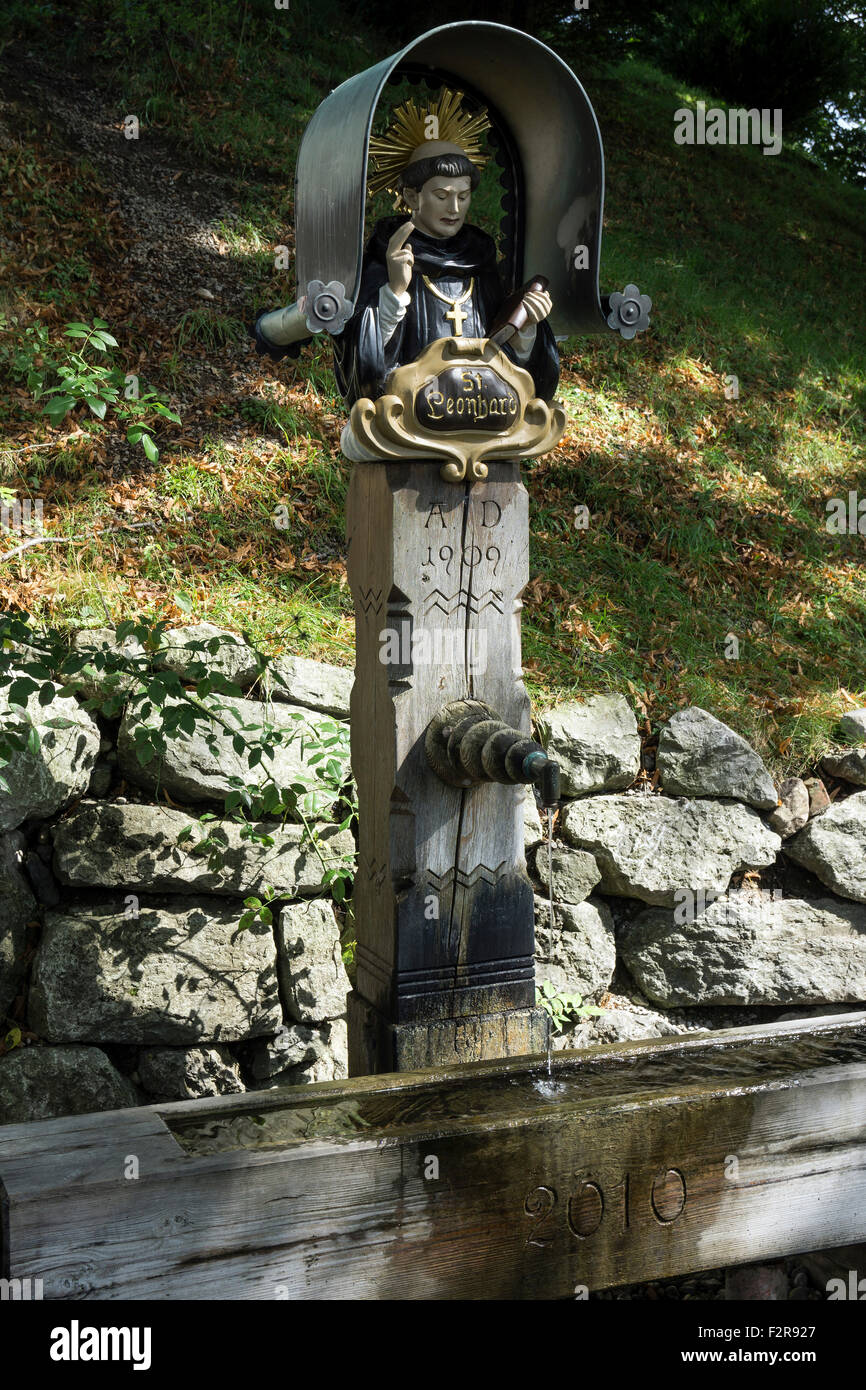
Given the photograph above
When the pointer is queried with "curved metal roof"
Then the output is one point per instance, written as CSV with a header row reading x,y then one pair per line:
x,y
549,124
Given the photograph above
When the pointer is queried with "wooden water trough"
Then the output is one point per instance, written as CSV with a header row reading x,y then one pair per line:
x,y
497,1180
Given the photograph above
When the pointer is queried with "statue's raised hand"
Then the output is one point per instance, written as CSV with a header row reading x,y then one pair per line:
x,y
538,305
399,258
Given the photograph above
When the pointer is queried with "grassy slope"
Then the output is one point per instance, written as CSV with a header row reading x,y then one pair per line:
x,y
707,514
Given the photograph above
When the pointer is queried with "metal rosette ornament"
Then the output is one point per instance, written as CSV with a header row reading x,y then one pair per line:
x,y
325,307
628,311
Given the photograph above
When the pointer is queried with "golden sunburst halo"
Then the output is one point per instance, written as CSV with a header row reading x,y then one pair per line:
x,y
413,125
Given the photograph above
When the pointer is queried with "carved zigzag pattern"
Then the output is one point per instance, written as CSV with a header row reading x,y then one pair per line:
x,y
370,599
479,874
452,603
376,872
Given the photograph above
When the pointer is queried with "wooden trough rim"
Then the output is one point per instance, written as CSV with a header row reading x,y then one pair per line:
x,y
577,1080
327,1115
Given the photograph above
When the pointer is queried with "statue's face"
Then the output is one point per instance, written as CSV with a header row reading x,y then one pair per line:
x,y
440,207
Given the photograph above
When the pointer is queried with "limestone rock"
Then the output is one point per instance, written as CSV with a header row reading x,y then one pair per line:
x,y
128,845
621,1025
758,951
190,771
312,975
101,779
818,798
614,1026
295,1045
579,955
313,685
596,744
43,781
575,872
853,724
833,846
792,812
41,879
163,977
533,831
698,755
17,908
184,1073
650,847
332,1060
300,1054
849,765
42,1083
97,684
183,648
17,654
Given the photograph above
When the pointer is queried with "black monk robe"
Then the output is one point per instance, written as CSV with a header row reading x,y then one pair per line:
x,y
362,361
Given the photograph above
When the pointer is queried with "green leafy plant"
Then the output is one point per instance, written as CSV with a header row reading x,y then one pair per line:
x,y
68,378
563,1008
170,709
256,910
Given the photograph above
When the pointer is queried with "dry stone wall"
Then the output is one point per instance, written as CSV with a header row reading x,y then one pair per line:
x,y
689,891
125,964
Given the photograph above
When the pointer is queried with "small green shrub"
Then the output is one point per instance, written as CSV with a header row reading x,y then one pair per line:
x,y
563,1008
69,378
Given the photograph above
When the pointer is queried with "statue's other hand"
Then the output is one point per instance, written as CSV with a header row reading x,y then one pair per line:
x,y
399,258
537,304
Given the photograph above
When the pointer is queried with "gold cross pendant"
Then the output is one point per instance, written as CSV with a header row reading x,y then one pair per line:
x,y
455,314
458,317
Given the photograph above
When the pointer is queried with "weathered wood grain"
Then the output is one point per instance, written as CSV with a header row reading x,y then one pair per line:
x,y
443,907
641,1161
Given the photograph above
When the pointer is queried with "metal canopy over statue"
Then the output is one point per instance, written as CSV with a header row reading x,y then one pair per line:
x,y
432,274
446,355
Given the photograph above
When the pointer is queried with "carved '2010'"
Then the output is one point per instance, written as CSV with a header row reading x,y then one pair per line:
x,y
587,1205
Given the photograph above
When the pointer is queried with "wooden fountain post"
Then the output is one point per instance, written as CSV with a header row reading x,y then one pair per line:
x,y
443,906
437,520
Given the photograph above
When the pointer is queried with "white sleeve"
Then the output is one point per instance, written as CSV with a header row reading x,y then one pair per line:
x,y
524,342
392,309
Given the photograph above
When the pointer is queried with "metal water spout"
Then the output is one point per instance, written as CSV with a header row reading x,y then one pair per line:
x,y
467,743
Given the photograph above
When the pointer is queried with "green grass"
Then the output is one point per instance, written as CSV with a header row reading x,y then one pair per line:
x,y
707,514
211,330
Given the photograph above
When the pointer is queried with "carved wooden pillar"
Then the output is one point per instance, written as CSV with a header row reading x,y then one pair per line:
x,y
443,906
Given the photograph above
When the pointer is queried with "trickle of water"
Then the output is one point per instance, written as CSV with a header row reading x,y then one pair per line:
x,y
550,901
550,861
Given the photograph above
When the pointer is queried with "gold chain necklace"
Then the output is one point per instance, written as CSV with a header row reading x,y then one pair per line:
x,y
457,315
